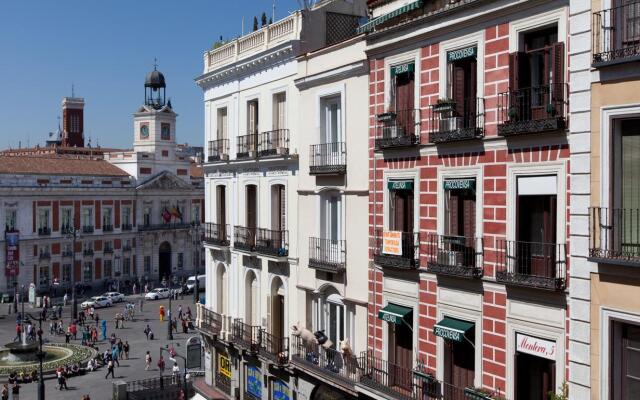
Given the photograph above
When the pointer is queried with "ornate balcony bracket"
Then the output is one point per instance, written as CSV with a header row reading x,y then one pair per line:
x,y
455,135
390,261
463,271
538,282
516,128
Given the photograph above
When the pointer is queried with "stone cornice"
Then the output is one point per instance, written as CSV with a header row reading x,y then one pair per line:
x,y
336,74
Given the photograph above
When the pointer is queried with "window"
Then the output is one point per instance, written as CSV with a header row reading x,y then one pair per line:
x,y
43,219
278,208
126,266
331,120
117,270
279,111
11,220
44,250
252,299
108,246
87,217
147,265
252,117
461,89
460,207
75,123
331,316
331,216
221,201
402,87
401,205
165,131
147,216
180,261
66,221
44,275
87,272
251,206
106,218
625,361
222,124
108,268
126,215
66,273
195,214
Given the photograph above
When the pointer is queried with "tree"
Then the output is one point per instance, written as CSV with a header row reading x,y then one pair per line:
x,y
264,19
255,24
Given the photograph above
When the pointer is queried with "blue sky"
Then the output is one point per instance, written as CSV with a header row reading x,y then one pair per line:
x,y
105,48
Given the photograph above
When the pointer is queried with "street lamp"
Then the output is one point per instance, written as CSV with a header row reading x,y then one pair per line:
x,y
169,331
73,234
196,239
173,355
41,355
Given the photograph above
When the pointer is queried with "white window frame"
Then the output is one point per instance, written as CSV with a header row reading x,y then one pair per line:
x,y
406,57
607,316
474,39
476,172
393,174
47,222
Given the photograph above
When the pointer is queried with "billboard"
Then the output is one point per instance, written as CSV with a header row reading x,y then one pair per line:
x,y
12,253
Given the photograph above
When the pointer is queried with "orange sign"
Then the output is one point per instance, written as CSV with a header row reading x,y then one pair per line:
x,y
392,243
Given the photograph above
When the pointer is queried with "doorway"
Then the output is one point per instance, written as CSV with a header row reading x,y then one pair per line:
x,y
535,377
164,260
401,353
277,309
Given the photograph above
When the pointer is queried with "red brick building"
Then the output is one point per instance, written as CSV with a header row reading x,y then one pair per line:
x,y
469,198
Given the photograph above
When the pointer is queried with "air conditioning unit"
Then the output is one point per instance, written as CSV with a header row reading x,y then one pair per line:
x,y
450,124
392,131
446,257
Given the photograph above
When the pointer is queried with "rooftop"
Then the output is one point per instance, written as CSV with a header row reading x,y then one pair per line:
x,y
55,165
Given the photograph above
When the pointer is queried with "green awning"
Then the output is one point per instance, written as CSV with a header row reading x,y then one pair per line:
x,y
394,313
400,185
460,184
452,329
369,26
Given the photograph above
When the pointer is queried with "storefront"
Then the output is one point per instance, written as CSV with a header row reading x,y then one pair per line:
x,y
253,383
535,367
280,390
459,353
223,371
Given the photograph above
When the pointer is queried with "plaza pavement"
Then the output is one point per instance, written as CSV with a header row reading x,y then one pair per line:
x,y
94,383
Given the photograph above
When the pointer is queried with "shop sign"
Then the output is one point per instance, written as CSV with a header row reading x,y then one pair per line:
x,y
449,334
462,54
460,184
400,185
392,243
402,68
224,365
12,253
254,381
280,390
536,346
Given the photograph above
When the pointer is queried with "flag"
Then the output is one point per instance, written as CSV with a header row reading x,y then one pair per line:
x,y
166,215
175,212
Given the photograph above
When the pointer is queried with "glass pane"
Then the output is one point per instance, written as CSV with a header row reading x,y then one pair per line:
x,y
333,206
334,123
333,321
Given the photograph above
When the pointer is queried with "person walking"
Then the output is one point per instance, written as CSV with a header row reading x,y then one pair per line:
x,y
147,330
147,361
74,331
175,373
141,303
114,354
65,298
180,311
161,311
161,365
18,333
126,348
5,392
104,329
110,368
15,391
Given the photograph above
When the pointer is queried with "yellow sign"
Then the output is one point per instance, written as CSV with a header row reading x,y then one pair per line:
x,y
224,365
392,243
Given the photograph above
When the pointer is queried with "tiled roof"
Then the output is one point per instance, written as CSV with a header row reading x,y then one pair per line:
x,y
57,166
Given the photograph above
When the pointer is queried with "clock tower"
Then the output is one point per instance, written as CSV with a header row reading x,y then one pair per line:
x,y
154,123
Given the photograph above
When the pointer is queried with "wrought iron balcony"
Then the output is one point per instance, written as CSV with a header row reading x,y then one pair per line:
x,y
247,146
398,129
126,247
246,336
532,110
210,322
168,226
66,229
273,143
107,228
216,234
451,122
328,365
455,255
274,348
87,252
87,229
67,253
244,238
532,264
218,150
327,254
616,34
614,236
44,231
272,242
328,159
396,249
44,255
126,227
108,250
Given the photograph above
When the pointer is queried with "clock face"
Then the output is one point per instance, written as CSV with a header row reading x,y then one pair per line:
x,y
144,131
165,132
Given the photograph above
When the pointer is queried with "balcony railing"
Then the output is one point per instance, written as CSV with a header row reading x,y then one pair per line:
x,y
455,255
246,336
218,150
328,364
273,143
87,229
396,249
616,34
451,122
328,159
274,348
44,255
532,264
159,227
67,253
211,321
272,242
397,129
216,234
126,247
108,250
126,227
532,110
327,254
244,238
615,235
107,228
66,230
87,252
44,231
247,146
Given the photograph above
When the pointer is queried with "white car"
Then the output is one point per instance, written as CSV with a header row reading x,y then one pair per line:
x,y
97,302
155,294
115,297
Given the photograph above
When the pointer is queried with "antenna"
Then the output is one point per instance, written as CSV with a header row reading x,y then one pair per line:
x,y
273,12
242,25
73,92
155,63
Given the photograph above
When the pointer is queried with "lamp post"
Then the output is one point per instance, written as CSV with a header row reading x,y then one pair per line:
x,y
41,355
173,356
74,235
169,331
196,240
22,301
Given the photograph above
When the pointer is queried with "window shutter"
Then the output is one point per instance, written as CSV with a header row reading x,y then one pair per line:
x,y
470,104
514,67
469,209
409,212
283,208
458,86
557,76
251,206
454,211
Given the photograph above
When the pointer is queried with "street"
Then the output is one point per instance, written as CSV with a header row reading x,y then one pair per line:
x,y
94,383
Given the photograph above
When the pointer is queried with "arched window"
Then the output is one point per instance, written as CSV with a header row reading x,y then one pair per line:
x,y
221,284
331,316
277,307
252,299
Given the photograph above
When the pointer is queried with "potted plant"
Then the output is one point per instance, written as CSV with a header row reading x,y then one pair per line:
x,y
444,105
482,394
563,395
512,113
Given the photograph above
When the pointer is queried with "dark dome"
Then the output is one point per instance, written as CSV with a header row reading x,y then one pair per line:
x,y
154,79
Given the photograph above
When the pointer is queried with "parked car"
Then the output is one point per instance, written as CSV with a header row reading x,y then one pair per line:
x,y
116,297
97,302
191,283
159,293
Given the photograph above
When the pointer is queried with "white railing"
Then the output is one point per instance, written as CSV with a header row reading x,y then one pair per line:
x,y
262,39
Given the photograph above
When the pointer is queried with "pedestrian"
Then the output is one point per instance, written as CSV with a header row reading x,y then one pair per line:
x,y
115,354
97,319
134,289
146,288
180,311
5,392
147,361
141,302
110,369
175,372
15,391
189,313
65,298
18,333
161,365
126,348
74,331
104,329
161,313
117,319
59,311
67,336
184,326
146,331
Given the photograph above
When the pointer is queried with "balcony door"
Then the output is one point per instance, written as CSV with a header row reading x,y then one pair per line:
x,y
458,244
251,214
278,208
277,309
401,354
279,111
330,131
626,28
462,71
222,124
403,98
252,299
252,126
221,205
536,225
331,224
